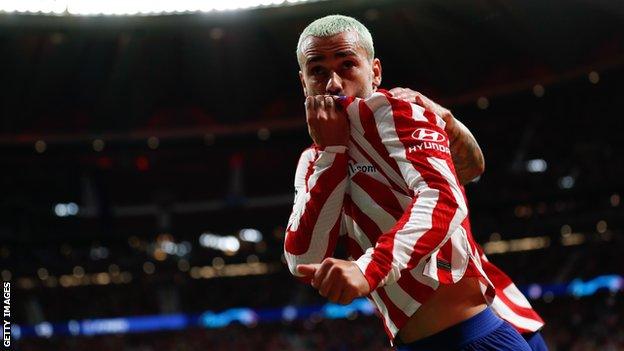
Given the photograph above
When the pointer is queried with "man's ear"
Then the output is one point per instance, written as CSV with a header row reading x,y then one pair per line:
x,y
303,85
376,73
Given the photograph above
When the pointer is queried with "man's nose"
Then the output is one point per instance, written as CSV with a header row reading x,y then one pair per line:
x,y
334,84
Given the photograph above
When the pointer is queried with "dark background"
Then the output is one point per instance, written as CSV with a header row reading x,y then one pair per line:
x,y
199,123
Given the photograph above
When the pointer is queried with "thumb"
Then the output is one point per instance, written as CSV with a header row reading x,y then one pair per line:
x,y
308,269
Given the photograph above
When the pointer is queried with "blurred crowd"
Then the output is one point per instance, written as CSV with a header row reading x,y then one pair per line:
x,y
589,324
169,290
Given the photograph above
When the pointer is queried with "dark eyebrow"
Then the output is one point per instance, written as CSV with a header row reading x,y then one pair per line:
x,y
345,53
341,54
315,58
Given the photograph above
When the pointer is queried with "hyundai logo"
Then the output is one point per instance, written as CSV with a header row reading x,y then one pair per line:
x,y
424,134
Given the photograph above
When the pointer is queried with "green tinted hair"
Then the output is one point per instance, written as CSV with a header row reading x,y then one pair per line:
x,y
335,24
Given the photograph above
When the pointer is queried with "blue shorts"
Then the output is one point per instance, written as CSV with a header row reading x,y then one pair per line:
x,y
535,341
482,332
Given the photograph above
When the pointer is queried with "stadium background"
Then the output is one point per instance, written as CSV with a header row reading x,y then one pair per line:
x,y
148,160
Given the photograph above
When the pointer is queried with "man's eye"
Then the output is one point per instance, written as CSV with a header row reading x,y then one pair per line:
x,y
348,64
318,70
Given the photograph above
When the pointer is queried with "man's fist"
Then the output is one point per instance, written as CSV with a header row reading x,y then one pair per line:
x,y
328,124
410,95
338,280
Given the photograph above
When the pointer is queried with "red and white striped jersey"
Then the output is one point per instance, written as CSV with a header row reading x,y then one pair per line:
x,y
394,194
509,303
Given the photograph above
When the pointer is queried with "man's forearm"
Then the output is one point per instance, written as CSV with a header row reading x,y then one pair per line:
x,y
465,151
315,222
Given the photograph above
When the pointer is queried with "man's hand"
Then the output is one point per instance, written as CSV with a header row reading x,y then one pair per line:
x,y
338,280
328,123
466,153
410,95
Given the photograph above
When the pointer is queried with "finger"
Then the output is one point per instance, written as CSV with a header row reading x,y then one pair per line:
x,y
419,101
307,270
424,101
330,279
321,272
319,102
329,103
329,100
320,108
346,296
335,291
309,105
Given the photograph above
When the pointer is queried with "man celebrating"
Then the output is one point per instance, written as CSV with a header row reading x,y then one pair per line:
x,y
381,172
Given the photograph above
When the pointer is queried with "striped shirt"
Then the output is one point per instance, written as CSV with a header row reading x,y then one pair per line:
x,y
394,195
509,303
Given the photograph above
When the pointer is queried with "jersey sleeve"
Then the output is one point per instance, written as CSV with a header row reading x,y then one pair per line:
x,y
509,302
316,219
416,140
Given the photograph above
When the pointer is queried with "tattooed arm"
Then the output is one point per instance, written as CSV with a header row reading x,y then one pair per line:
x,y
465,151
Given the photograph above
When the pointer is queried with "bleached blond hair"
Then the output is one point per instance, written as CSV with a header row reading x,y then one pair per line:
x,y
335,24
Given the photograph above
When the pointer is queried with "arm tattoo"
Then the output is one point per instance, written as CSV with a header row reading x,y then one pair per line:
x,y
466,153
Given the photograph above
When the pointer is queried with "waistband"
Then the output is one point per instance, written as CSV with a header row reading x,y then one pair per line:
x,y
459,335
